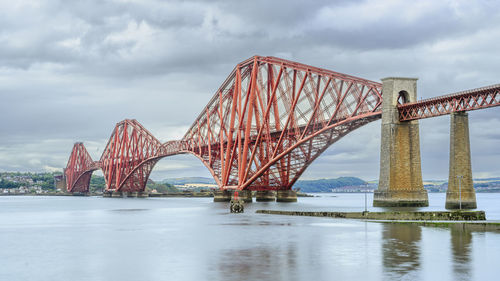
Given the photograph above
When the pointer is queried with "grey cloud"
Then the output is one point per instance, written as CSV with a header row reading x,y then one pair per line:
x,y
392,30
69,70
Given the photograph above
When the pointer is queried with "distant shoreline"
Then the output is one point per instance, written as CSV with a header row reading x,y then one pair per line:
x,y
198,195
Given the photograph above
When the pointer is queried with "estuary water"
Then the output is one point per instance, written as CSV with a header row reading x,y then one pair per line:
x,y
94,238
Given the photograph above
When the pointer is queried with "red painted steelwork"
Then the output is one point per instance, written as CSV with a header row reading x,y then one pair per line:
x,y
462,101
79,169
263,127
272,117
129,157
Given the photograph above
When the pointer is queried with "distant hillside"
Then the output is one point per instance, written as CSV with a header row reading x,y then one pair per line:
x,y
342,184
487,179
326,185
187,180
161,187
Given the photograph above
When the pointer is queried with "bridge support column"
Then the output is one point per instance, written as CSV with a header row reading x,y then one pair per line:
x,y
265,196
460,176
222,195
142,194
131,194
400,181
117,194
286,196
245,195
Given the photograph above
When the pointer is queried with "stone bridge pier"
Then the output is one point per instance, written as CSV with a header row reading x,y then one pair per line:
x,y
460,193
400,181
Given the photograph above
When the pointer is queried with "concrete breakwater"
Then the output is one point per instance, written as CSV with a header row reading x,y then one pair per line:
x,y
403,215
480,226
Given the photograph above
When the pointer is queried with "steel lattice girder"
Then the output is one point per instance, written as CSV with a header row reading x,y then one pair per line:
x,y
133,174
267,122
79,169
129,157
462,101
272,117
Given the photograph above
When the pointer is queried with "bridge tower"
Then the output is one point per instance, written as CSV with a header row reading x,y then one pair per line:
x,y
460,191
400,181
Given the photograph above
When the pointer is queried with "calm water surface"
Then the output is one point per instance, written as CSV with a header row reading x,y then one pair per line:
x,y
77,238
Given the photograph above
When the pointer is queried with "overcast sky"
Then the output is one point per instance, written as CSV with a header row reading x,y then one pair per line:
x,y
70,70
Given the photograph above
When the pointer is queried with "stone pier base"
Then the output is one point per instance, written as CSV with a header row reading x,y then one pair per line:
x,y
222,195
286,196
265,196
117,194
400,198
80,194
142,194
468,200
131,194
460,176
245,195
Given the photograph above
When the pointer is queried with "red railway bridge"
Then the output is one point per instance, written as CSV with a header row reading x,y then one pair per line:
x,y
270,119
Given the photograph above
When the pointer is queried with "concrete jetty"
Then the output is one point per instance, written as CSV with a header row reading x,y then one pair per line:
x,y
403,215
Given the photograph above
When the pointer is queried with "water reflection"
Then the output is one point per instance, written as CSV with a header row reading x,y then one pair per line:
x,y
259,263
461,240
401,250
196,239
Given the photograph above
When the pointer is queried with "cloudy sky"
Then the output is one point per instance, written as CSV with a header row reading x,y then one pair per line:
x,y
70,70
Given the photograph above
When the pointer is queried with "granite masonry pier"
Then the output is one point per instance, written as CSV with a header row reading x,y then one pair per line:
x,y
420,216
222,195
460,193
261,196
265,196
400,181
244,195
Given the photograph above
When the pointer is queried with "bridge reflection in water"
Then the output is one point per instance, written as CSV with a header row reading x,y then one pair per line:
x,y
401,250
403,255
461,246
194,239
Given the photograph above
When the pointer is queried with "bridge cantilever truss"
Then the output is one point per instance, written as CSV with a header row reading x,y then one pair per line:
x,y
271,118
263,127
266,123
79,169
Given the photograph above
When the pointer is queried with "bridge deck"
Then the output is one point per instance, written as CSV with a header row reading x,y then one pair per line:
x,y
473,99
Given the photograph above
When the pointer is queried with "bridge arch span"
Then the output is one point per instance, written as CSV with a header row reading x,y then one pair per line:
x,y
79,169
272,117
268,121
305,151
262,128
151,163
82,183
